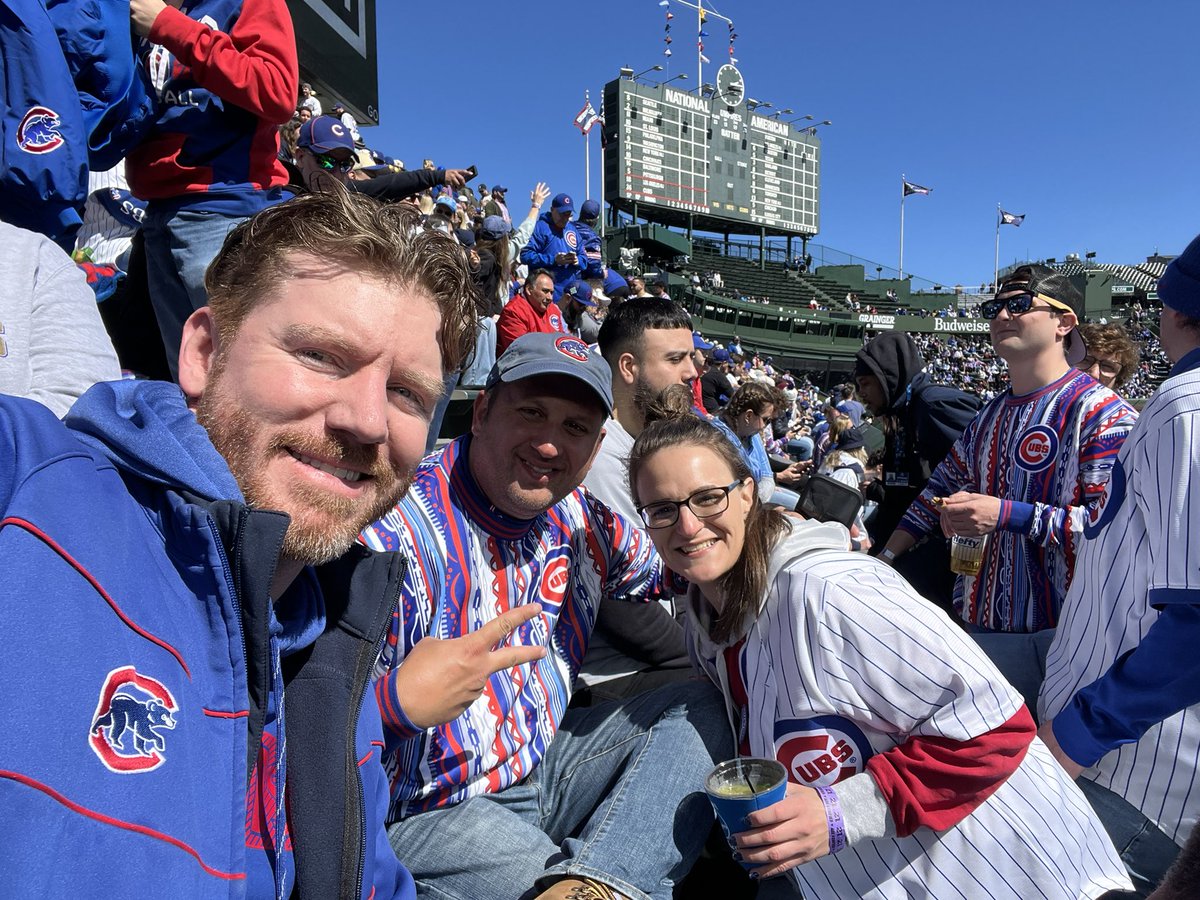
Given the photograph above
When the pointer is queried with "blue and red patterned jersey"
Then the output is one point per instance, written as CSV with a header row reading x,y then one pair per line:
x,y
1048,456
470,563
225,74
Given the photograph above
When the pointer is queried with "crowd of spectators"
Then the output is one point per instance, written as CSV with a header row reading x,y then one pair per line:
x,y
538,285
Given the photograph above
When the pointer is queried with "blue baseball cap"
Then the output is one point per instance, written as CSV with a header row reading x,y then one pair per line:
x,y
448,201
324,133
562,203
554,354
699,343
590,210
721,355
581,292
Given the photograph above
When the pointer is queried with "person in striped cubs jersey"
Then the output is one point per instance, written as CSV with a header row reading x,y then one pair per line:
x,y
1121,697
498,787
1030,466
913,768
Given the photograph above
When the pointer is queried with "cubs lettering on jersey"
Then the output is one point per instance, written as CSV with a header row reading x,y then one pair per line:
x,y
822,750
844,666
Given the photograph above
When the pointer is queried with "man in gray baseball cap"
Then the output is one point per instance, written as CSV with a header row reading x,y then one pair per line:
x,y
603,798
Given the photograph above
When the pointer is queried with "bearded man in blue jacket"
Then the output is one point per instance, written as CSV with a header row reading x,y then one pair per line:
x,y
187,555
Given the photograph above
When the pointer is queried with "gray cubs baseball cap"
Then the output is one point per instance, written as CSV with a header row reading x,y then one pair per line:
x,y
554,354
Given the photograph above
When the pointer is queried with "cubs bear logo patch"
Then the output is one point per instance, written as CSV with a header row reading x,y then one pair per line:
x,y
38,131
132,715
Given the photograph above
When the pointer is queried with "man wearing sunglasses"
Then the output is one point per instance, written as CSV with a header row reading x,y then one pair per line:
x,y
1030,467
324,153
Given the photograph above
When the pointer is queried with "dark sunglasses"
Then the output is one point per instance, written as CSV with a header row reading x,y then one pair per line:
x,y
1018,304
332,164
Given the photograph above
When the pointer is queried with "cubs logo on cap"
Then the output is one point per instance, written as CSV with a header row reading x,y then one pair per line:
x,y
132,714
1037,449
540,353
821,751
571,346
38,131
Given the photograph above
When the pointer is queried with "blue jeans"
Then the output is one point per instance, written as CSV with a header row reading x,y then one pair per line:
x,y
800,448
1020,657
179,247
784,497
1145,850
618,798
484,357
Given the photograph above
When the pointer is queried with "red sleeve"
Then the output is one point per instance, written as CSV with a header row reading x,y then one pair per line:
x,y
510,325
938,782
254,66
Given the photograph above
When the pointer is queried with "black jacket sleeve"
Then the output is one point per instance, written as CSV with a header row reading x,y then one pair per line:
x,y
644,631
398,185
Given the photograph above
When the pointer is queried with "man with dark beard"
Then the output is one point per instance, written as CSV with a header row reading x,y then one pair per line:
x,y
193,555
648,345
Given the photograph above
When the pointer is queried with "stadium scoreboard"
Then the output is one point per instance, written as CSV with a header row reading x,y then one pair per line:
x,y
708,161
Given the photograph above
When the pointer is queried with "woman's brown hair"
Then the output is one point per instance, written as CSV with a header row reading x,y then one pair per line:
x,y
672,422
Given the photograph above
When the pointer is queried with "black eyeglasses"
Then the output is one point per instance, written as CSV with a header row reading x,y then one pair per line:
x,y
704,504
1108,367
333,164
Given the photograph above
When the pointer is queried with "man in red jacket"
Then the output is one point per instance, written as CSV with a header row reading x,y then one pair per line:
x,y
225,75
532,310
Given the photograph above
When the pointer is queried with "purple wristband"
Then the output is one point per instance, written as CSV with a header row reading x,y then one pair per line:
x,y
833,812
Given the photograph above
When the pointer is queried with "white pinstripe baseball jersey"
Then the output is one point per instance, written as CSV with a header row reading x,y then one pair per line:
x,y
1139,561
846,661
107,238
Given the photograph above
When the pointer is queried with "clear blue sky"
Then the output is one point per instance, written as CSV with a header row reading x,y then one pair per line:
x,y
1081,115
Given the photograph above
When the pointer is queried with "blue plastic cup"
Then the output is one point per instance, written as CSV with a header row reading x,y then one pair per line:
x,y
737,787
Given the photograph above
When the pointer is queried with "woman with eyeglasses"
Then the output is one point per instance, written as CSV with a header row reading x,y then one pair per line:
x,y
1112,356
913,767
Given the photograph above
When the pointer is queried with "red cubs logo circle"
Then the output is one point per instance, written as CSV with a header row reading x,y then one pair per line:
x,y
133,712
821,751
38,130
573,347
552,587
572,239
1037,449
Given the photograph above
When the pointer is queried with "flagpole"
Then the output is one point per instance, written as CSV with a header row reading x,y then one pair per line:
x,y
996,270
699,52
902,181
602,214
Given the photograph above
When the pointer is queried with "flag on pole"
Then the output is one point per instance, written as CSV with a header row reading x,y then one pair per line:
x,y
910,188
587,117
1007,218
